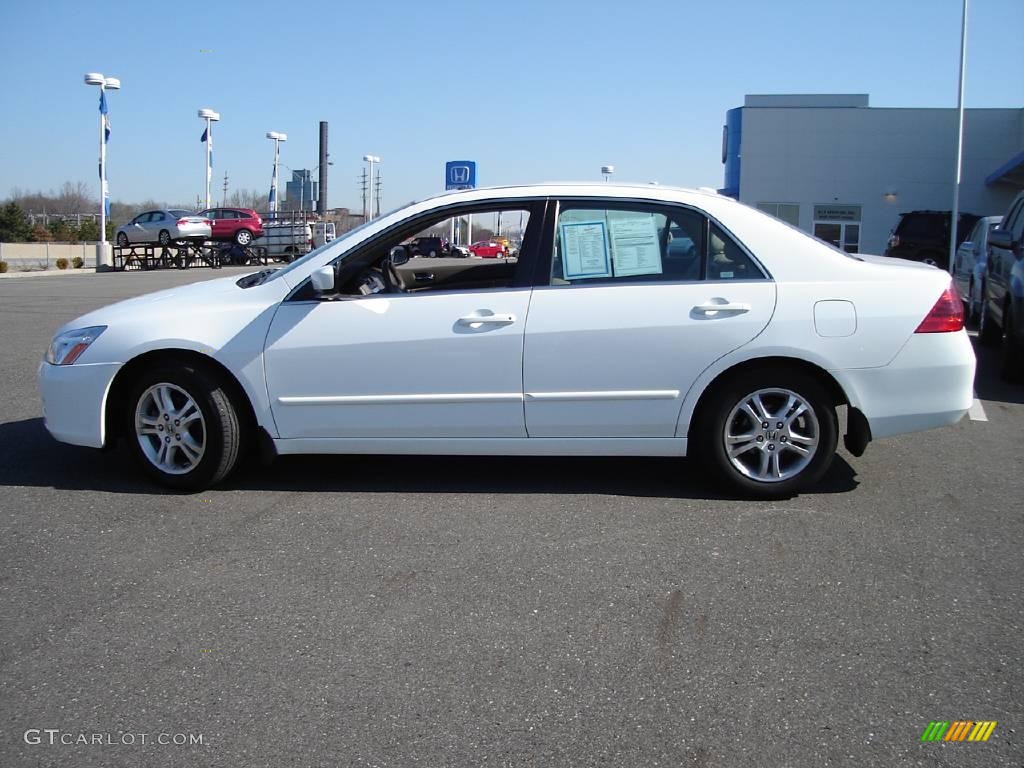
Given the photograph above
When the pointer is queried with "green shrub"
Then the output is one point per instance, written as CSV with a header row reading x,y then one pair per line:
x,y
61,263
78,262
3,267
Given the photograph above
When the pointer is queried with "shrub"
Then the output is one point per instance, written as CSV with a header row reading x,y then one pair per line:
x,y
61,263
3,267
78,262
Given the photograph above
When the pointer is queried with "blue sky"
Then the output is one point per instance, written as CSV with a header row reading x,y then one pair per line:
x,y
534,91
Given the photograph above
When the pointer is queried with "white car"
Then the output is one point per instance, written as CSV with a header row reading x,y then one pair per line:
x,y
164,227
599,340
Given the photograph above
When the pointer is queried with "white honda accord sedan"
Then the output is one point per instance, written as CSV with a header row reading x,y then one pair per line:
x,y
635,321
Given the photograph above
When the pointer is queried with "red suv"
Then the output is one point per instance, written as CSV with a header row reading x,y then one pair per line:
x,y
241,225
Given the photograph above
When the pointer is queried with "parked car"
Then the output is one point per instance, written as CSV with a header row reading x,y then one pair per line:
x,y
429,247
970,263
487,249
1002,316
164,227
924,236
459,252
239,225
590,343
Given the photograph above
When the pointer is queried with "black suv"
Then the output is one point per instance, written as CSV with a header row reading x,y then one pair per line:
x,y
430,247
924,236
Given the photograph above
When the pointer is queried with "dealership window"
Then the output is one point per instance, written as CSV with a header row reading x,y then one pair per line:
x,y
788,212
838,225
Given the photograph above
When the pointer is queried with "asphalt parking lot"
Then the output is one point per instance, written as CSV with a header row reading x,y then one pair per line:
x,y
453,611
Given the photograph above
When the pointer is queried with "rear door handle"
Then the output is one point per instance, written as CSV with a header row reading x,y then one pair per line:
x,y
423,277
712,309
474,321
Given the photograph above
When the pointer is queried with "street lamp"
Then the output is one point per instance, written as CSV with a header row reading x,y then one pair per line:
x,y
277,137
607,170
371,159
103,260
210,117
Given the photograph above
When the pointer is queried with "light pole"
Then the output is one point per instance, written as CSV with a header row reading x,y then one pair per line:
x,y
210,116
371,159
277,137
607,170
955,214
103,260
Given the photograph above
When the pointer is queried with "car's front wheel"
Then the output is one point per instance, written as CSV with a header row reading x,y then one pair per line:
x,y
768,433
184,426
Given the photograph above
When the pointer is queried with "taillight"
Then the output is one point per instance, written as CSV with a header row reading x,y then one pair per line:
x,y
182,222
208,222
946,316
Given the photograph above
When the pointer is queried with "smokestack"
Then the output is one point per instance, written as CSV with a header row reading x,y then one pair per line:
x,y
321,203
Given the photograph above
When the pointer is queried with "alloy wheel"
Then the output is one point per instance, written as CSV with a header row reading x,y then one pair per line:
x,y
771,435
170,428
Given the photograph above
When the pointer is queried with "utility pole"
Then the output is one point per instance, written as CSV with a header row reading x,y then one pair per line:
x,y
378,191
365,188
224,200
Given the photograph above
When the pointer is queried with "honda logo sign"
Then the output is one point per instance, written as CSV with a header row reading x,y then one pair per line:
x,y
460,174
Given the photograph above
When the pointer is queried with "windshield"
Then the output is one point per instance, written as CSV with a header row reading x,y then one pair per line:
x,y
340,243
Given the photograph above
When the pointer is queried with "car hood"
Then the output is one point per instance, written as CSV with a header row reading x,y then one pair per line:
x,y
184,299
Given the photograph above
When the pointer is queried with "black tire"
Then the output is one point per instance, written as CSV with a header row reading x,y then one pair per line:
x,y
707,438
243,237
1011,354
164,238
989,334
220,425
122,240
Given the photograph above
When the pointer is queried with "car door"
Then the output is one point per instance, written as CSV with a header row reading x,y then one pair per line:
x,y
966,257
139,232
437,363
1001,261
621,325
216,225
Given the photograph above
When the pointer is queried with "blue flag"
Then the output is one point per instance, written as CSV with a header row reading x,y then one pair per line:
x,y
103,102
106,129
203,137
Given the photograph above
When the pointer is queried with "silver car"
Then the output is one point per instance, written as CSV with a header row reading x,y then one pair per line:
x,y
164,227
971,265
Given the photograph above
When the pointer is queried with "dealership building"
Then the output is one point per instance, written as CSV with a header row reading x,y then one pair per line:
x,y
844,171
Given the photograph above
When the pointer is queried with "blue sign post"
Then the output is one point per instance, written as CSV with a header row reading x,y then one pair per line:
x,y
460,174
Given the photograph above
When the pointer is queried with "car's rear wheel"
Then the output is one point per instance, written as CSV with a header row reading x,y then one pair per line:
x,y
243,237
184,426
122,239
768,433
164,238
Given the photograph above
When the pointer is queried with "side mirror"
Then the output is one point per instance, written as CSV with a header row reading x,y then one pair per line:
x,y
323,279
398,256
1001,238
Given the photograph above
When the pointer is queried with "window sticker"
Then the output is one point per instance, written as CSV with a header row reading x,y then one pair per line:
x,y
636,248
585,250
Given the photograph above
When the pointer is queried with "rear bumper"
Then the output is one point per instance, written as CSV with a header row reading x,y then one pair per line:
x,y
930,383
74,401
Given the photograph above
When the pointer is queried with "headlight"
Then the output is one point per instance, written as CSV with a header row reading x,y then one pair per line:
x,y
69,346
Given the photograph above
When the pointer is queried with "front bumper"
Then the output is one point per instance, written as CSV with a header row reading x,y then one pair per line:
x,y
930,383
74,401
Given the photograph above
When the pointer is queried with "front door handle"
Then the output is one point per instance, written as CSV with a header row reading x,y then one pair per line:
x,y
423,277
712,309
475,321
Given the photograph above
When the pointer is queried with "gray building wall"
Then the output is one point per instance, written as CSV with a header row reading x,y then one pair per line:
x,y
822,155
